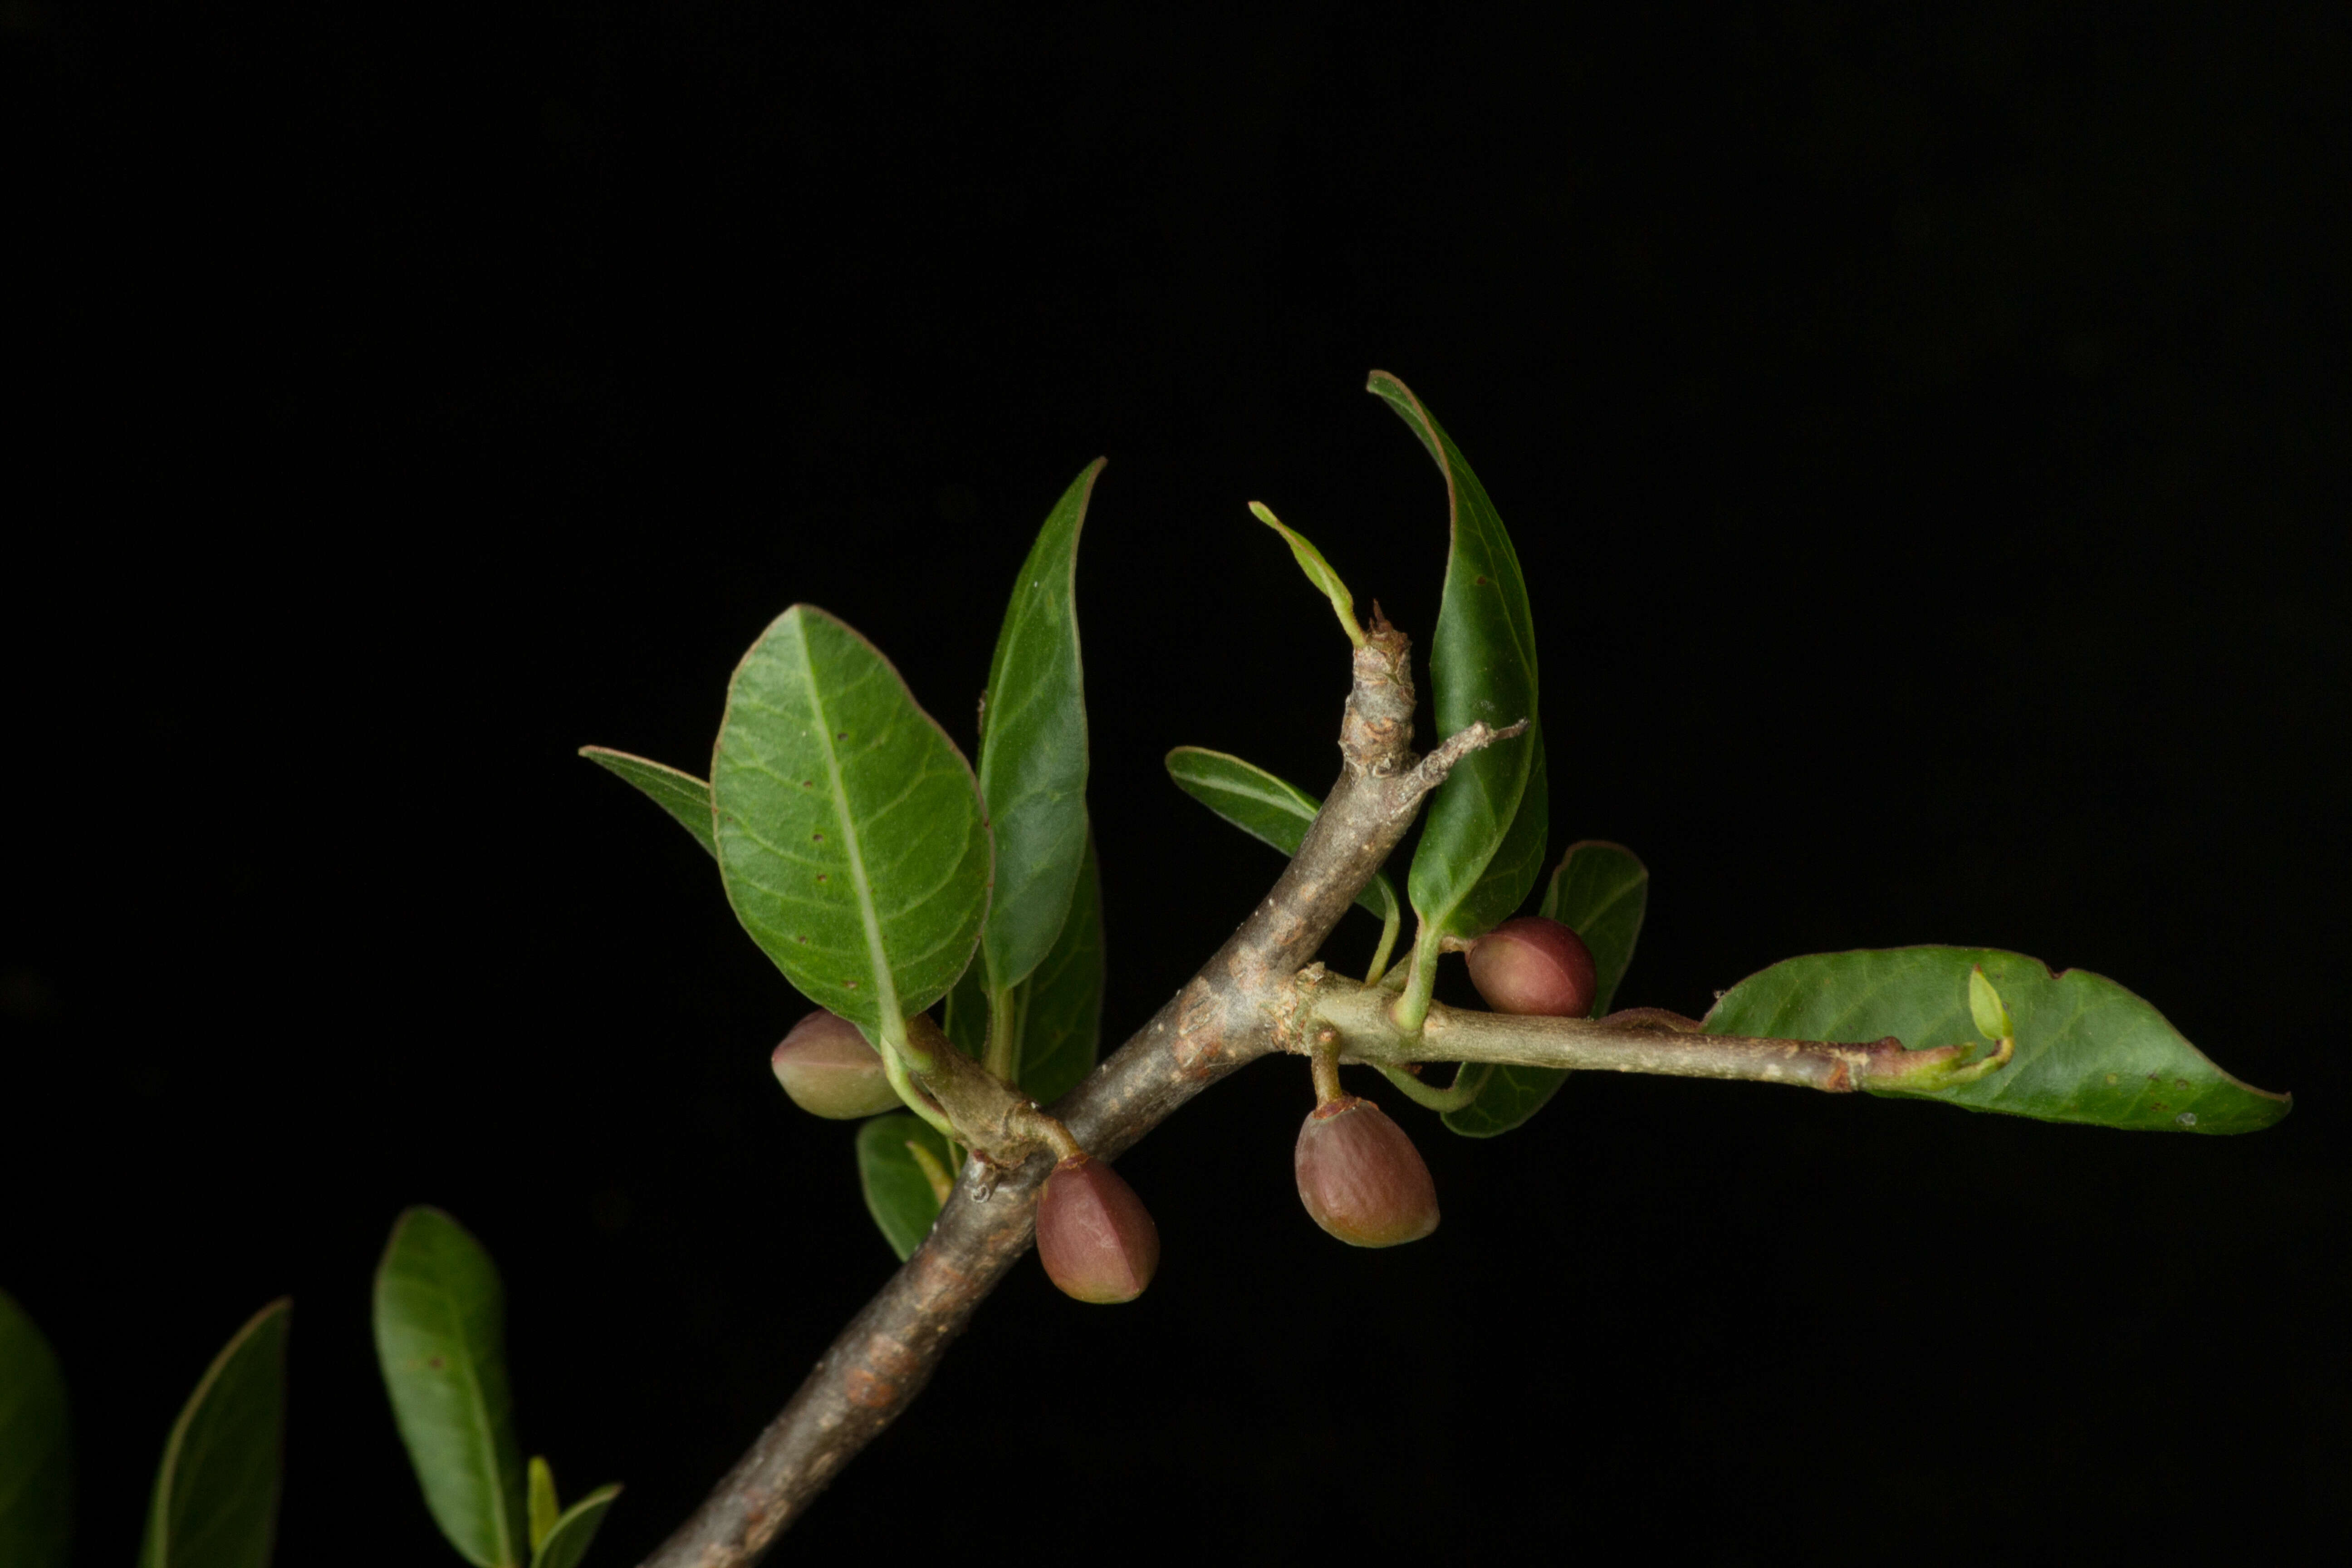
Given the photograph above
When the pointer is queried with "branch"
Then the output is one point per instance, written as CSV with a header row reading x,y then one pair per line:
x,y
1224,1018
1329,1012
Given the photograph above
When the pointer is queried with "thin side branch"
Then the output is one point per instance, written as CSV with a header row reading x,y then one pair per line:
x,y
1224,1017
1646,1039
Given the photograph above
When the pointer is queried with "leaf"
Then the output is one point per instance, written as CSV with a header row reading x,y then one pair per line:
x,y
1599,891
1517,863
898,1194
2087,1049
215,1498
1032,748
1985,1006
850,834
35,1445
440,1338
567,1542
681,794
1060,1005
1482,666
1318,571
540,1487
1268,809
966,1023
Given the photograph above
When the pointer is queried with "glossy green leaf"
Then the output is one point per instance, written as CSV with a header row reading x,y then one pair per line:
x,y
684,796
1032,748
2087,1049
850,834
1059,1007
898,1194
1599,891
440,1340
215,1498
1482,666
1056,1011
567,1542
1519,862
966,1020
1318,571
35,1445
1270,810
544,1508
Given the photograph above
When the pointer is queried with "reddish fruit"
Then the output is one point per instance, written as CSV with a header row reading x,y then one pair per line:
x,y
827,1067
1360,1176
1094,1235
1535,966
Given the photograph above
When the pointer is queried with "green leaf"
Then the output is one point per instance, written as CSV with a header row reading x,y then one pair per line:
x,y
1032,748
543,1507
440,1338
1056,1011
1599,891
1268,809
898,1194
35,1445
684,796
2087,1049
1060,1005
1985,1006
215,1498
966,1023
850,834
568,1541
1482,666
1318,571
1518,864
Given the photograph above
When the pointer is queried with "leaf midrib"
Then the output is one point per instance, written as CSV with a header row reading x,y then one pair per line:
x,y
886,993
481,1410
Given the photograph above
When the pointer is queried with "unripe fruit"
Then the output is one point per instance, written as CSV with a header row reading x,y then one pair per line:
x,y
827,1067
1094,1235
1536,966
1360,1176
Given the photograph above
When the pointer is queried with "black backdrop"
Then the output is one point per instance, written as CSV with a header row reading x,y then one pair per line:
x,y
1924,438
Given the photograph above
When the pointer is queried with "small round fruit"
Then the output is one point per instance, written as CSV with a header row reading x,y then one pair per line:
x,y
1360,1177
1535,966
1094,1235
827,1067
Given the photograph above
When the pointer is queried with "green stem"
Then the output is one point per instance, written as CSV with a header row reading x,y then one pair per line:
x,y
1390,926
894,1068
1469,1077
1002,1056
1410,1010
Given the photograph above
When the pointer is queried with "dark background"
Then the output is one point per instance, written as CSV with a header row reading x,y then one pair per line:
x,y
1926,440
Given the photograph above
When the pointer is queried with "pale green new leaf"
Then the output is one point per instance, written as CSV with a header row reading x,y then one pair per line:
x,y
1318,571
215,1498
2087,1049
540,1486
684,796
850,834
35,1445
440,1340
1482,666
1032,748
898,1193
567,1540
1599,891
1269,809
